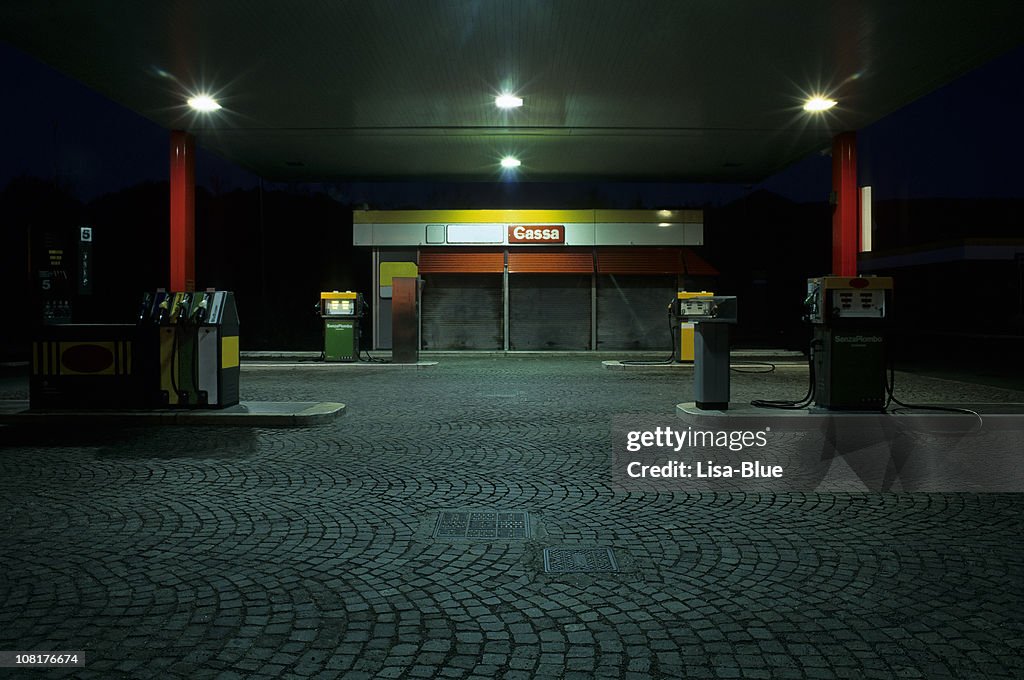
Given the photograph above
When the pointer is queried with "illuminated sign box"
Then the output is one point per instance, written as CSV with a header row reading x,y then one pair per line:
x,y
536,233
474,233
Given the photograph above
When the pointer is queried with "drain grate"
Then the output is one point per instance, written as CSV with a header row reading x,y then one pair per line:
x,y
579,560
482,524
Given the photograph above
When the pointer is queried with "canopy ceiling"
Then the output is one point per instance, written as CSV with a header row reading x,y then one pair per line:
x,y
688,90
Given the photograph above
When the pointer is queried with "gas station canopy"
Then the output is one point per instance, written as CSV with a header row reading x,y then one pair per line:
x,y
614,90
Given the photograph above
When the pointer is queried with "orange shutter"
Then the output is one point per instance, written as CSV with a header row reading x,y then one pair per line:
x,y
696,265
639,261
462,261
554,261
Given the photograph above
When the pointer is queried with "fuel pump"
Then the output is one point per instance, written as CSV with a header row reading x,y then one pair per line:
x,y
684,350
711,316
341,312
849,317
197,348
217,354
184,347
153,314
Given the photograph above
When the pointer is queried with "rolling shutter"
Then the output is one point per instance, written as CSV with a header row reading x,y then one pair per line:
x,y
461,311
549,311
632,312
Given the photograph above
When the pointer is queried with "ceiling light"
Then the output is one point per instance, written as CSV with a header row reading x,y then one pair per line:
x,y
664,213
203,102
510,162
664,224
508,101
818,104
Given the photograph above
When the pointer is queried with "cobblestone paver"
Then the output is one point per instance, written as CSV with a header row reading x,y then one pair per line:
x,y
236,553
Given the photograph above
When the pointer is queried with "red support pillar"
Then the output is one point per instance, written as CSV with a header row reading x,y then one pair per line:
x,y
183,226
844,215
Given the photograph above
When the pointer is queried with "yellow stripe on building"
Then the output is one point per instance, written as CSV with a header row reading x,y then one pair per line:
x,y
526,216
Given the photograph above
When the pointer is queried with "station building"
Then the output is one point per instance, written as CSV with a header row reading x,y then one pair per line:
x,y
535,279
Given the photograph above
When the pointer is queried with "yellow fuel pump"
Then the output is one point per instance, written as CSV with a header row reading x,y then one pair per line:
x,y
686,328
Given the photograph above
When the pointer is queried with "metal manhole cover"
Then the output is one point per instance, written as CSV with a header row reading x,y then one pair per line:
x,y
482,524
579,560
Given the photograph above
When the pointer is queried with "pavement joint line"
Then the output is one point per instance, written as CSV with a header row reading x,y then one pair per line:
x,y
752,354
248,413
620,365
338,365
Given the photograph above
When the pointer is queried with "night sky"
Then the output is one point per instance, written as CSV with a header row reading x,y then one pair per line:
x,y
960,141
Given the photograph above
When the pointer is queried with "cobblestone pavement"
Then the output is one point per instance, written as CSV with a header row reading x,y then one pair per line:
x,y
228,552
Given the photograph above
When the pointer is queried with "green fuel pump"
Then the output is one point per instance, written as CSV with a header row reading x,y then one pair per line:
x,y
850,317
341,312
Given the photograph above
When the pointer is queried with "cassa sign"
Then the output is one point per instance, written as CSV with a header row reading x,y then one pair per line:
x,y
536,233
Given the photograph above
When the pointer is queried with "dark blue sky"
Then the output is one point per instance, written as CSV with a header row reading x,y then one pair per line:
x,y
961,141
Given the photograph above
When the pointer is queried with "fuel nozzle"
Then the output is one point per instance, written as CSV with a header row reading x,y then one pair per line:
x,y
163,310
200,311
180,312
147,305
811,305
